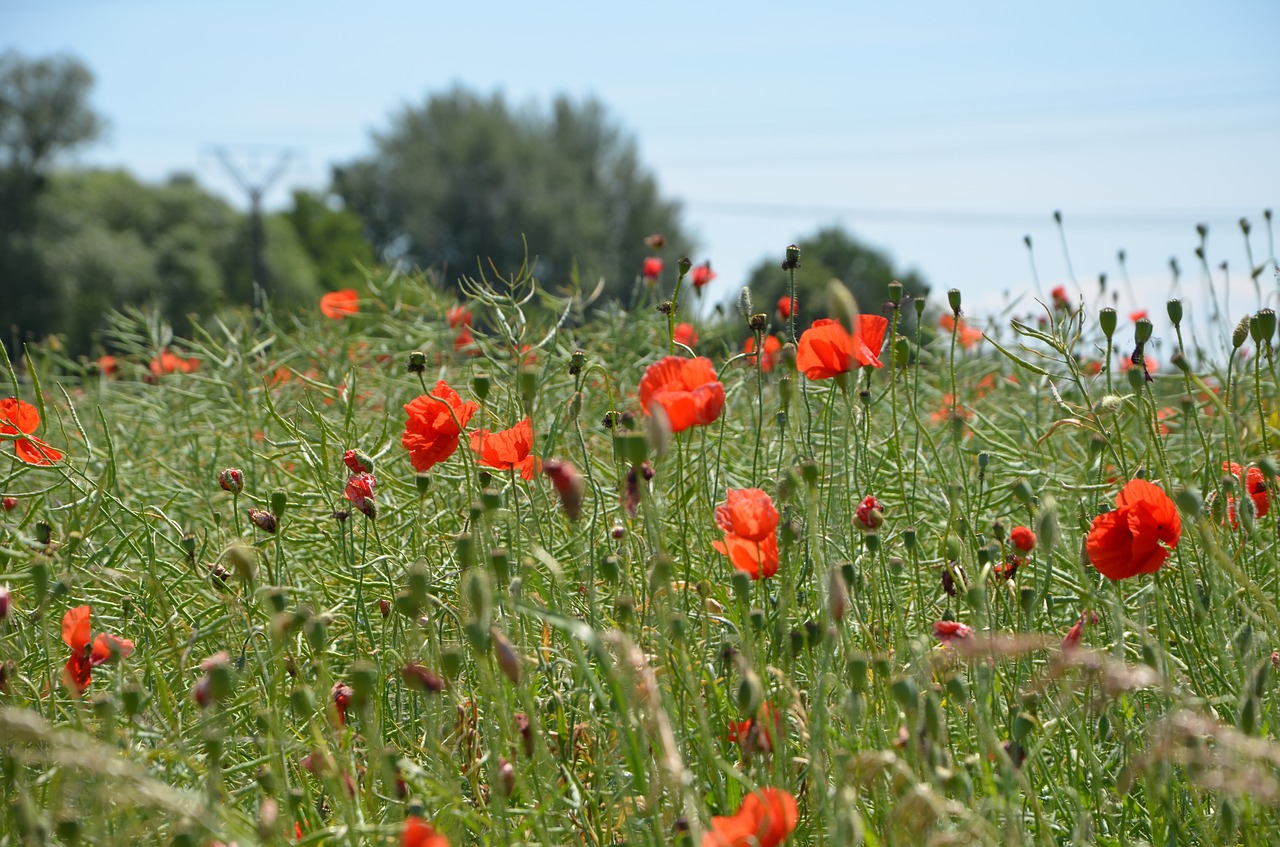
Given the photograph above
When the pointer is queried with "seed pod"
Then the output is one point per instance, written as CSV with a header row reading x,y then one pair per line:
x,y
508,659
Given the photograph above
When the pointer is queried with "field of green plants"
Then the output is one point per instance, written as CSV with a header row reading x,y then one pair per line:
x,y
419,569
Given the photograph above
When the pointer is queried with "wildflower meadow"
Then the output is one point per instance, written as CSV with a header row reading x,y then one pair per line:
x,y
509,567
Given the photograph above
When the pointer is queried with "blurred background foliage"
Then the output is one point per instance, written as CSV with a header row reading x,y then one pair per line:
x,y
461,184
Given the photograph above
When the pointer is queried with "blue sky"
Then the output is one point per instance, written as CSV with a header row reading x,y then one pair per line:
x,y
942,132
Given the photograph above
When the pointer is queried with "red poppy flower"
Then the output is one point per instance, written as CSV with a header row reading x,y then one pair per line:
x,y
465,342
342,695
750,522
685,334
108,365
949,632
1059,295
1128,541
827,349
870,513
765,819
701,275
966,335
686,389
507,449
21,418
435,422
338,304
1023,538
754,735
458,316
78,672
419,833
772,351
1255,486
359,491
652,268
1072,639
1149,363
786,305
168,363
1138,315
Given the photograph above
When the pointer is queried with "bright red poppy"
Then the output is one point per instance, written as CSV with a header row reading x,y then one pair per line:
x,y
1059,296
652,268
701,275
786,305
966,335
419,833
359,491
1023,538
78,672
108,365
685,334
686,389
827,349
435,422
338,304
21,418
949,632
1137,536
1255,485
1138,315
458,316
772,352
755,735
507,449
168,363
750,523
765,819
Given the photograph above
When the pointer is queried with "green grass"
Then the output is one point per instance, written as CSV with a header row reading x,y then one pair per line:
x,y
633,645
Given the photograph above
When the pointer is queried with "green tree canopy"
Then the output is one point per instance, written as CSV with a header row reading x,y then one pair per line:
x,y
832,253
462,177
333,238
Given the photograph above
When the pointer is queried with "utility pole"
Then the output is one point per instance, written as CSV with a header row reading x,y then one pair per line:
x,y
255,190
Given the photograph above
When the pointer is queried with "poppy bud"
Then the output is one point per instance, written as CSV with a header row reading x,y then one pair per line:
x,y
895,292
1266,326
384,607
682,265
508,660
953,300
9,503
6,604
840,304
527,385
357,461
423,679
422,482
837,595
1174,308
870,513
569,485
231,479
1244,226
1107,320
748,692
744,303
656,241
263,520
417,362
1240,334
465,548
480,386
576,362
758,322
792,261
364,683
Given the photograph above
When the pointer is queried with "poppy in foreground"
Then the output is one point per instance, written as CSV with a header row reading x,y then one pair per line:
x,y
1255,485
508,449
827,349
1137,536
78,671
765,818
750,522
435,422
20,418
686,389
419,833
338,304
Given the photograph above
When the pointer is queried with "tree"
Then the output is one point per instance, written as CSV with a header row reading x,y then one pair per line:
x,y
44,113
832,253
462,178
333,239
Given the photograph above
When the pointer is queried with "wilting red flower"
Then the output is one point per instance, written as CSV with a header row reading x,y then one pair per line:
x,y
338,304
827,349
765,819
341,701
423,678
569,485
263,520
656,241
1023,538
1072,640
458,316
1128,541
1255,486
701,275
78,671
652,268
357,462
949,632
21,418
168,363
9,503
508,449
419,833
685,334
435,422
631,492
231,479
750,522
1059,296
360,492
754,735
771,351
966,335
686,389
6,602
870,513
786,306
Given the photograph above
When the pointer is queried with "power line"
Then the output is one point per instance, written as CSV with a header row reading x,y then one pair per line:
x,y
254,189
